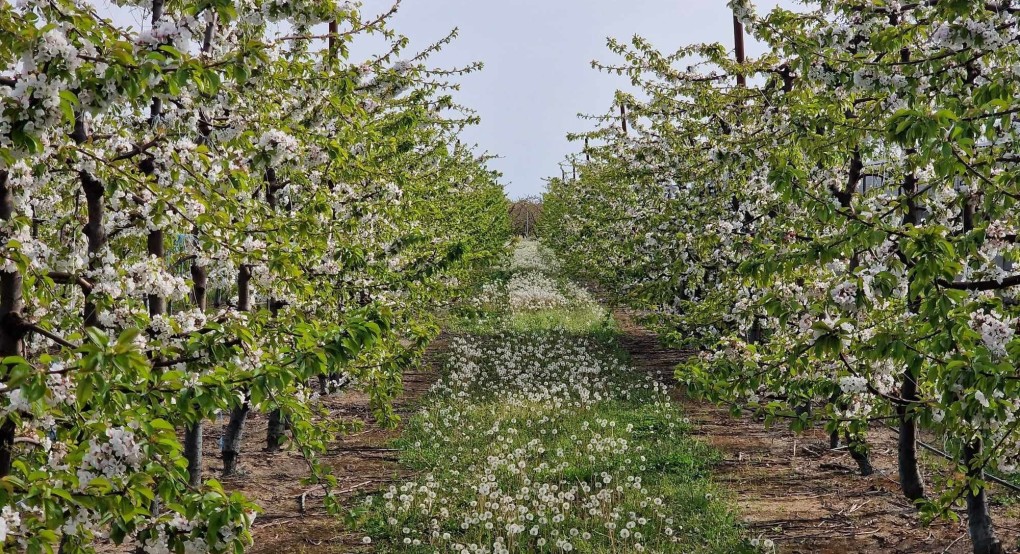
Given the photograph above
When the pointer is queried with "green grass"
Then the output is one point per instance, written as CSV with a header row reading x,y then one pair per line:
x,y
676,470
582,320
618,446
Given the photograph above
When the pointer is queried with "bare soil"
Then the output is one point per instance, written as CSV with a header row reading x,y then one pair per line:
x,y
362,463
808,498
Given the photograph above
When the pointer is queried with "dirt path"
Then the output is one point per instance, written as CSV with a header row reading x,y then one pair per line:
x,y
361,462
798,492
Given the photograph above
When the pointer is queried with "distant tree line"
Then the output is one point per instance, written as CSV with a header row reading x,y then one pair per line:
x,y
525,215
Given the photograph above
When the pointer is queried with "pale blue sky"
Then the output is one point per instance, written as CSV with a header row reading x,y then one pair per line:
x,y
537,56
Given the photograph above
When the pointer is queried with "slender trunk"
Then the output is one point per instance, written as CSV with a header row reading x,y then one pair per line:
x,y
855,445
95,234
193,433
277,430
277,423
834,435
235,428
802,409
154,242
244,289
204,125
979,521
910,476
157,104
200,285
859,452
755,335
334,28
272,187
193,453
200,288
209,35
738,48
12,330
7,433
968,212
232,437
157,303
11,301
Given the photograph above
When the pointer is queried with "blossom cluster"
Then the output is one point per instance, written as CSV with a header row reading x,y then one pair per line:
x,y
112,458
531,255
996,331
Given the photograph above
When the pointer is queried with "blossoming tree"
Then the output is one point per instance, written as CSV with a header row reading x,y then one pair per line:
x,y
204,217
837,228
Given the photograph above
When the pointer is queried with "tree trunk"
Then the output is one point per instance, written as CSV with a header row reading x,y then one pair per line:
x,y
834,435
200,280
755,335
803,409
95,233
244,289
7,433
277,430
157,104
232,437
12,330
979,521
859,452
193,453
910,476
235,428
193,433
154,243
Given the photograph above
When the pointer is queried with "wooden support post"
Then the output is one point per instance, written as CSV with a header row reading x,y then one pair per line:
x,y
738,43
333,28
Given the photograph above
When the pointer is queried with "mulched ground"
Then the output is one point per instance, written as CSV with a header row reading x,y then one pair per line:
x,y
798,492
